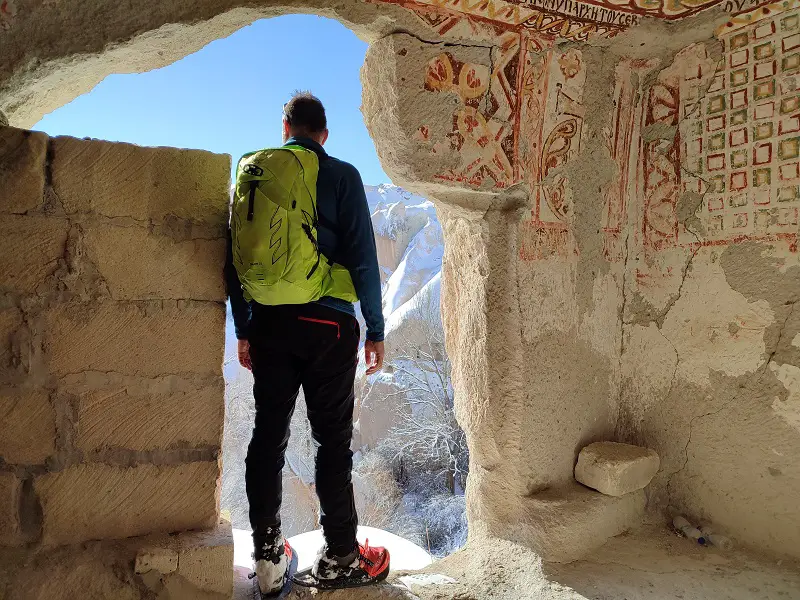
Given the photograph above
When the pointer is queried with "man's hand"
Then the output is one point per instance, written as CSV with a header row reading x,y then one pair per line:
x,y
244,355
373,354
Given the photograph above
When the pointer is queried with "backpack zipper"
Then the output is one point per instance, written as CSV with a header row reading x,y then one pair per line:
x,y
323,322
251,200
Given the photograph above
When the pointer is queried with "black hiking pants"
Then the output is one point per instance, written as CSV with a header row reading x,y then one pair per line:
x,y
316,347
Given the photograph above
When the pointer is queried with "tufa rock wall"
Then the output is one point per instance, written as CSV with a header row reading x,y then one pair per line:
x,y
621,262
111,392
709,358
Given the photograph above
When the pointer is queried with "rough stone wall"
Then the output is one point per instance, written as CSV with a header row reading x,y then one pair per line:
x,y
111,320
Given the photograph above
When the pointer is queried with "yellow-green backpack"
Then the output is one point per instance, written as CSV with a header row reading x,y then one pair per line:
x,y
274,228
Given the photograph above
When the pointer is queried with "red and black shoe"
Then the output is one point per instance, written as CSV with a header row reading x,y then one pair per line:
x,y
368,566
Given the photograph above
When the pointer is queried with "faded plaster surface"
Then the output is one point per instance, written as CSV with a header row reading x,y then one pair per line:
x,y
712,280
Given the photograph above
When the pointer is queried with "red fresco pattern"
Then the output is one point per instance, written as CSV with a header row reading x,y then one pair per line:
x,y
521,117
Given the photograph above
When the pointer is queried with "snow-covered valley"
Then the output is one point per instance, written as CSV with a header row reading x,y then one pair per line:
x,y
402,414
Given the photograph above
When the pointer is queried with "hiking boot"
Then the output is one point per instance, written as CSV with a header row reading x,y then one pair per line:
x,y
272,556
363,566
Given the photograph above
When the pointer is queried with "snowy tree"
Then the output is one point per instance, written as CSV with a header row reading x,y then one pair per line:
x,y
239,416
428,438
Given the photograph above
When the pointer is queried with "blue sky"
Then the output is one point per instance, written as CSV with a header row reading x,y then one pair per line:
x,y
228,96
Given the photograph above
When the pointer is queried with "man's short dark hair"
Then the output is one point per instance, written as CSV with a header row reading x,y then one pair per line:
x,y
305,113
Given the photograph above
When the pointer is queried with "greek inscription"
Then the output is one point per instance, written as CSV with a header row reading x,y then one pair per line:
x,y
585,12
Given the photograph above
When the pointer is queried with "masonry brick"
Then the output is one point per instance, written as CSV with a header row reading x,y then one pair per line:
x,y
97,501
206,559
27,426
616,469
22,166
163,267
124,180
145,338
10,532
30,247
122,418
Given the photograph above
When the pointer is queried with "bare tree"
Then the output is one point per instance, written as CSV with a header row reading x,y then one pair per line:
x,y
379,498
239,416
428,438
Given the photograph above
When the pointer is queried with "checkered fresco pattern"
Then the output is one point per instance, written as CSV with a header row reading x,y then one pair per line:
x,y
742,136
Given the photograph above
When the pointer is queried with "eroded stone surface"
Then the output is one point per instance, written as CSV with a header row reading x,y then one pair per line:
x,y
616,469
10,487
93,501
150,339
123,180
10,323
560,524
27,426
95,442
117,569
163,560
22,168
165,267
205,559
149,417
30,247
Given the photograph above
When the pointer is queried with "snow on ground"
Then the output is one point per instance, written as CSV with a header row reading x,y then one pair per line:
x,y
388,194
428,293
420,263
405,555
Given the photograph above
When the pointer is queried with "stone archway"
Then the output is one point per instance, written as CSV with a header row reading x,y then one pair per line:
x,y
618,185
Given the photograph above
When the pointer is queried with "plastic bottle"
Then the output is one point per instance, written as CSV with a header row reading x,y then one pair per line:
x,y
720,541
687,529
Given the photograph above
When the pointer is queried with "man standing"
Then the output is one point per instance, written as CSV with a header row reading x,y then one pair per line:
x,y
299,254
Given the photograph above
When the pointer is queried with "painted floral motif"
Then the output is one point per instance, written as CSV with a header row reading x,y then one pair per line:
x,y
473,80
570,63
558,144
444,73
483,124
472,127
661,165
439,74
422,134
